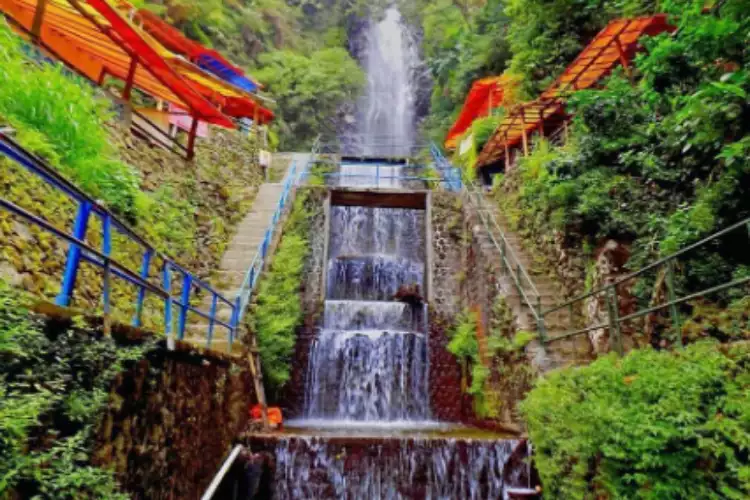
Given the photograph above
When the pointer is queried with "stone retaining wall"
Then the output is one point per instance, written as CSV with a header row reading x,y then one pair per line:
x,y
171,421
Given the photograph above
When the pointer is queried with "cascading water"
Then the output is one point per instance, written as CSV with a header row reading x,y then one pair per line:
x,y
387,110
369,362
444,469
388,117
367,381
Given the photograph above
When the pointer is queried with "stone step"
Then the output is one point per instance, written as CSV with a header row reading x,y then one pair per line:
x,y
217,344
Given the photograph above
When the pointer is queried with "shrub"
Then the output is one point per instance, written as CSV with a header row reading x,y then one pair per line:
x,y
54,385
651,425
278,310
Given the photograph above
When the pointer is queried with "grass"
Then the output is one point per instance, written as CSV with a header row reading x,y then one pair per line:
x,y
60,117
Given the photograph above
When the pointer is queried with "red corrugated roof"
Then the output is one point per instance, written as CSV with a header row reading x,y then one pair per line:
x,y
485,95
95,44
122,33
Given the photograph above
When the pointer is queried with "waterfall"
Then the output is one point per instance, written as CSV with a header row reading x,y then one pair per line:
x,y
369,362
367,387
444,469
387,110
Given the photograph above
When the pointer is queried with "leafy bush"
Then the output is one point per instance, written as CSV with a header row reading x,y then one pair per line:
x,y
309,91
61,118
278,310
651,425
662,163
461,45
53,387
546,35
504,375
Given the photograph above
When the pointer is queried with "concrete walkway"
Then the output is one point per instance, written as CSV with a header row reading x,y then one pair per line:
x,y
242,250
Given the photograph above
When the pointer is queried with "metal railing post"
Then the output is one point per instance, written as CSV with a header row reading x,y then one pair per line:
x,y
145,265
74,254
570,313
613,309
672,296
107,303
187,285
518,278
503,257
212,319
107,251
234,323
541,324
167,285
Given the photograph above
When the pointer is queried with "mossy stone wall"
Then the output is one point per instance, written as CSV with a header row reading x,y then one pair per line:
x,y
171,421
206,199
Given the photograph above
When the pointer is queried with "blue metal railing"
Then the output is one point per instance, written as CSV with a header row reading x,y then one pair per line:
x,y
293,179
79,251
451,175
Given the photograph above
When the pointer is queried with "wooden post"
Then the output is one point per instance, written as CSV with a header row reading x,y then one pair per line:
x,y
36,25
191,139
129,81
624,60
524,135
541,124
507,154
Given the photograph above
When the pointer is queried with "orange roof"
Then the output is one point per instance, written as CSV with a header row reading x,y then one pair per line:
x,y
97,40
485,95
523,119
97,46
616,44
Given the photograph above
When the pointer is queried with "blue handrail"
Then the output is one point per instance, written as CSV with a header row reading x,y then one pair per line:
x,y
79,251
451,175
293,178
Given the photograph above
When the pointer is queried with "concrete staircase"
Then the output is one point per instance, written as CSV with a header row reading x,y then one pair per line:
x,y
238,258
491,230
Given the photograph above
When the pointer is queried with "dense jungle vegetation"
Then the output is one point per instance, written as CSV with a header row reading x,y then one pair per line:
x,y
658,163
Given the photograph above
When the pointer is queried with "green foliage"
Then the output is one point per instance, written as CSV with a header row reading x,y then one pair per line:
x,y
650,425
61,118
460,47
662,163
309,91
463,335
545,36
166,217
277,312
505,374
53,387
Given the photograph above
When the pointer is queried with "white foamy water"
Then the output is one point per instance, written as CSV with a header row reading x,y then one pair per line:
x,y
390,59
436,469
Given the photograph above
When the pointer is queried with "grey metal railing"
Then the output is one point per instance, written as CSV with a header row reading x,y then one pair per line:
x,y
612,294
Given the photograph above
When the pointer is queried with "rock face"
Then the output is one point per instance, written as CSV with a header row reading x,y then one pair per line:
x,y
171,421
447,249
409,294
608,267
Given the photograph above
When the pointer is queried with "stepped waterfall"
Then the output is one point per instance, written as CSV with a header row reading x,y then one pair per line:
x,y
366,430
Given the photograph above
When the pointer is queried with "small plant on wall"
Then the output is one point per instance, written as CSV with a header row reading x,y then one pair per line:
x,y
498,376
